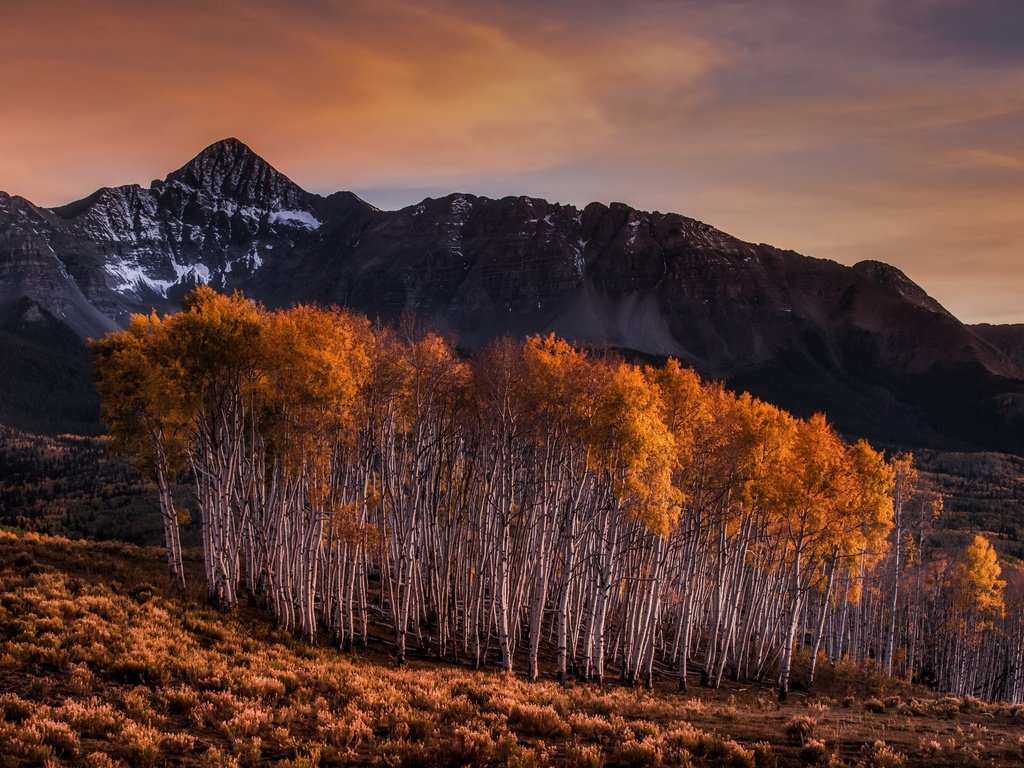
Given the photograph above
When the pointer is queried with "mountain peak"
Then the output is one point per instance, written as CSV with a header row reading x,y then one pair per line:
x,y
892,278
229,168
229,149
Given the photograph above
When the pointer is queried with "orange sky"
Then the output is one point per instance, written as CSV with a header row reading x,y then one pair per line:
x,y
846,130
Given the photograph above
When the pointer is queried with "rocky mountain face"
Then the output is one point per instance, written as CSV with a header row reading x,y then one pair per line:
x,y
1007,338
863,343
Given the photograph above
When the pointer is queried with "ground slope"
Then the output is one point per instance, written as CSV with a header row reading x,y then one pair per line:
x,y
100,666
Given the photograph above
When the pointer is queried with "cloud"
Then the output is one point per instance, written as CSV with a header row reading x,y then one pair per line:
x,y
370,90
846,129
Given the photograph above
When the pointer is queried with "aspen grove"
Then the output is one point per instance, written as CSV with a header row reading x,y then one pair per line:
x,y
541,507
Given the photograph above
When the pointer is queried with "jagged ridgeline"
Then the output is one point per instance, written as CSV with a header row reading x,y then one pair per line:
x,y
863,344
541,506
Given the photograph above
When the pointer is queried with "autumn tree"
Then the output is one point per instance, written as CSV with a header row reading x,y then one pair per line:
x,y
811,492
146,416
537,491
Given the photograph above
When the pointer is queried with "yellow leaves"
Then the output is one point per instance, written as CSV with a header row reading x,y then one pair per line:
x,y
440,377
633,444
976,583
686,406
134,377
870,517
904,474
559,382
303,384
818,466
761,449
314,364
215,338
824,498
296,376
344,524
416,376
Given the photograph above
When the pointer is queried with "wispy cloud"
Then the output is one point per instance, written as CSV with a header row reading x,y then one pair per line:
x,y
846,129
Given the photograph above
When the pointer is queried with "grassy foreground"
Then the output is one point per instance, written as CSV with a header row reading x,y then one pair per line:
x,y
99,666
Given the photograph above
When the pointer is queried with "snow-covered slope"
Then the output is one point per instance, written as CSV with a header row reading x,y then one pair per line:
x,y
217,220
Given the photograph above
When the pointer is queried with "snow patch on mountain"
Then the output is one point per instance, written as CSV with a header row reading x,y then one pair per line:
x,y
201,273
253,258
578,262
634,226
124,214
129,276
461,208
231,208
298,219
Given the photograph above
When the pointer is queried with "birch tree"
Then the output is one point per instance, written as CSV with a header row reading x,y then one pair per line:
x,y
146,417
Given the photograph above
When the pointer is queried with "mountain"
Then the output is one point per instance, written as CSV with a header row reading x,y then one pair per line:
x,y
1007,338
864,343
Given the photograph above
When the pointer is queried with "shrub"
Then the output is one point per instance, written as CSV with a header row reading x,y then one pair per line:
x,y
584,756
472,744
81,681
591,727
814,752
764,755
874,705
101,760
727,752
181,700
645,728
800,728
262,687
947,706
178,743
633,752
346,730
248,751
139,744
147,671
58,735
249,719
217,758
533,720
92,718
881,755
136,703
15,709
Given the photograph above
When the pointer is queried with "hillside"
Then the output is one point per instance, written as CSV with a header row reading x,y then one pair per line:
x,y
102,667
1007,338
981,491
862,343
71,486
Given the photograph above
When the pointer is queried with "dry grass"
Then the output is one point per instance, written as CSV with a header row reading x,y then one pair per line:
x,y
100,667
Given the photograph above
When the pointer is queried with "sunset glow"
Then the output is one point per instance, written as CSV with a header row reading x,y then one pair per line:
x,y
846,130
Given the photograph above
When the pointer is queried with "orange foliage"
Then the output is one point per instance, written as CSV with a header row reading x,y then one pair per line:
x,y
977,586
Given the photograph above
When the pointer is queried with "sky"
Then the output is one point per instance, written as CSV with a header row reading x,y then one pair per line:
x,y
847,129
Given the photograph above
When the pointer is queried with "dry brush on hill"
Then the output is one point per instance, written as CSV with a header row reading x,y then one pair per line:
x,y
102,666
